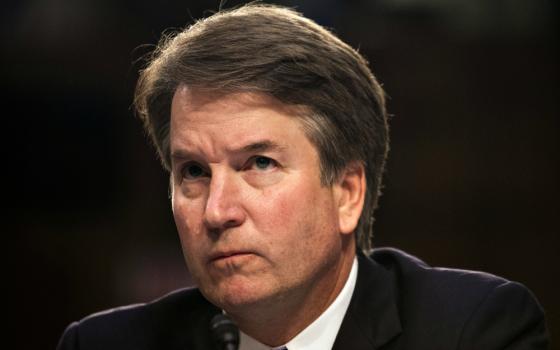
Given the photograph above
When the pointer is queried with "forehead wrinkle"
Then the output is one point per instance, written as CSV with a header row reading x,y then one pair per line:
x,y
190,124
260,146
190,143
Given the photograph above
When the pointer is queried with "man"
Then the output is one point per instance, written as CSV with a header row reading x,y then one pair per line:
x,y
275,136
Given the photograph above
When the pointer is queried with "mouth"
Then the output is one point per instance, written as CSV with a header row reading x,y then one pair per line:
x,y
229,255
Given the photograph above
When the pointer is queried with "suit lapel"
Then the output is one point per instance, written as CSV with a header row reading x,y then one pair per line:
x,y
372,318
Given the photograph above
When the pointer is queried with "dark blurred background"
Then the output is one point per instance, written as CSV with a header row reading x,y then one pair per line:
x,y
472,179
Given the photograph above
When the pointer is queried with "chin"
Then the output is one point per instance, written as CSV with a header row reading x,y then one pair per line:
x,y
237,293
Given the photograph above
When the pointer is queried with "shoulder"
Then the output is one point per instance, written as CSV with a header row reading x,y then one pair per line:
x,y
473,308
169,306
139,326
419,279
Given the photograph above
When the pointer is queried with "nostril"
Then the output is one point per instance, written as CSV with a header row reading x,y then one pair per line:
x,y
231,223
214,233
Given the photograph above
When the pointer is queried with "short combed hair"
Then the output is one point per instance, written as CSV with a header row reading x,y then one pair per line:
x,y
276,51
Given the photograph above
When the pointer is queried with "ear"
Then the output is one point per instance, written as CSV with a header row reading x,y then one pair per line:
x,y
350,191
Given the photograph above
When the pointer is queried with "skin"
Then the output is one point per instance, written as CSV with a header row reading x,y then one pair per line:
x,y
262,237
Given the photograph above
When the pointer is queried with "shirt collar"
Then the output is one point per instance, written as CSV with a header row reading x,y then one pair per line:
x,y
321,333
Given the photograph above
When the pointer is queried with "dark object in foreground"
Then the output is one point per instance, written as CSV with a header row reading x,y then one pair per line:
x,y
225,332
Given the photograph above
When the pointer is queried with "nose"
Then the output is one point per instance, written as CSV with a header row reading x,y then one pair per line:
x,y
223,206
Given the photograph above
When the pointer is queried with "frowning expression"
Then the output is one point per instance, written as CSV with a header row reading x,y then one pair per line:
x,y
254,220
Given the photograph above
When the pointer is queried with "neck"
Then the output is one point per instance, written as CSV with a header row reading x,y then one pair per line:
x,y
275,322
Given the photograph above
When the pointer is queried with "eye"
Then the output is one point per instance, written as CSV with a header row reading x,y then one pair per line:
x,y
192,171
263,163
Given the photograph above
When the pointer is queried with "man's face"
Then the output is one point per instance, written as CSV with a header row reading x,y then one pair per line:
x,y
255,223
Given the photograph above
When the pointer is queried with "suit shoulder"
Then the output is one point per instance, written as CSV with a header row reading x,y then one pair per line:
x,y
508,316
411,271
465,305
129,326
179,299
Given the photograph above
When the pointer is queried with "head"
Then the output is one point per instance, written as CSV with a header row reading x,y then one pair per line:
x,y
277,52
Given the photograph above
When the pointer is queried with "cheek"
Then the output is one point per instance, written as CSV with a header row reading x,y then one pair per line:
x,y
280,207
293,210
188,219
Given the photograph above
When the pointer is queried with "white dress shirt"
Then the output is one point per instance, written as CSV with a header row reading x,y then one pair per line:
x,y
321,333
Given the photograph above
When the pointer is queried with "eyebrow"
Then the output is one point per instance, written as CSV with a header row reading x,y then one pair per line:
x,y
258,146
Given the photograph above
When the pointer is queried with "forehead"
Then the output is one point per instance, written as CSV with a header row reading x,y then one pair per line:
x,y
202,117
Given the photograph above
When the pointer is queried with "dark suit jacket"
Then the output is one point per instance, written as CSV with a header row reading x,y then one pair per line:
x,y
399,303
